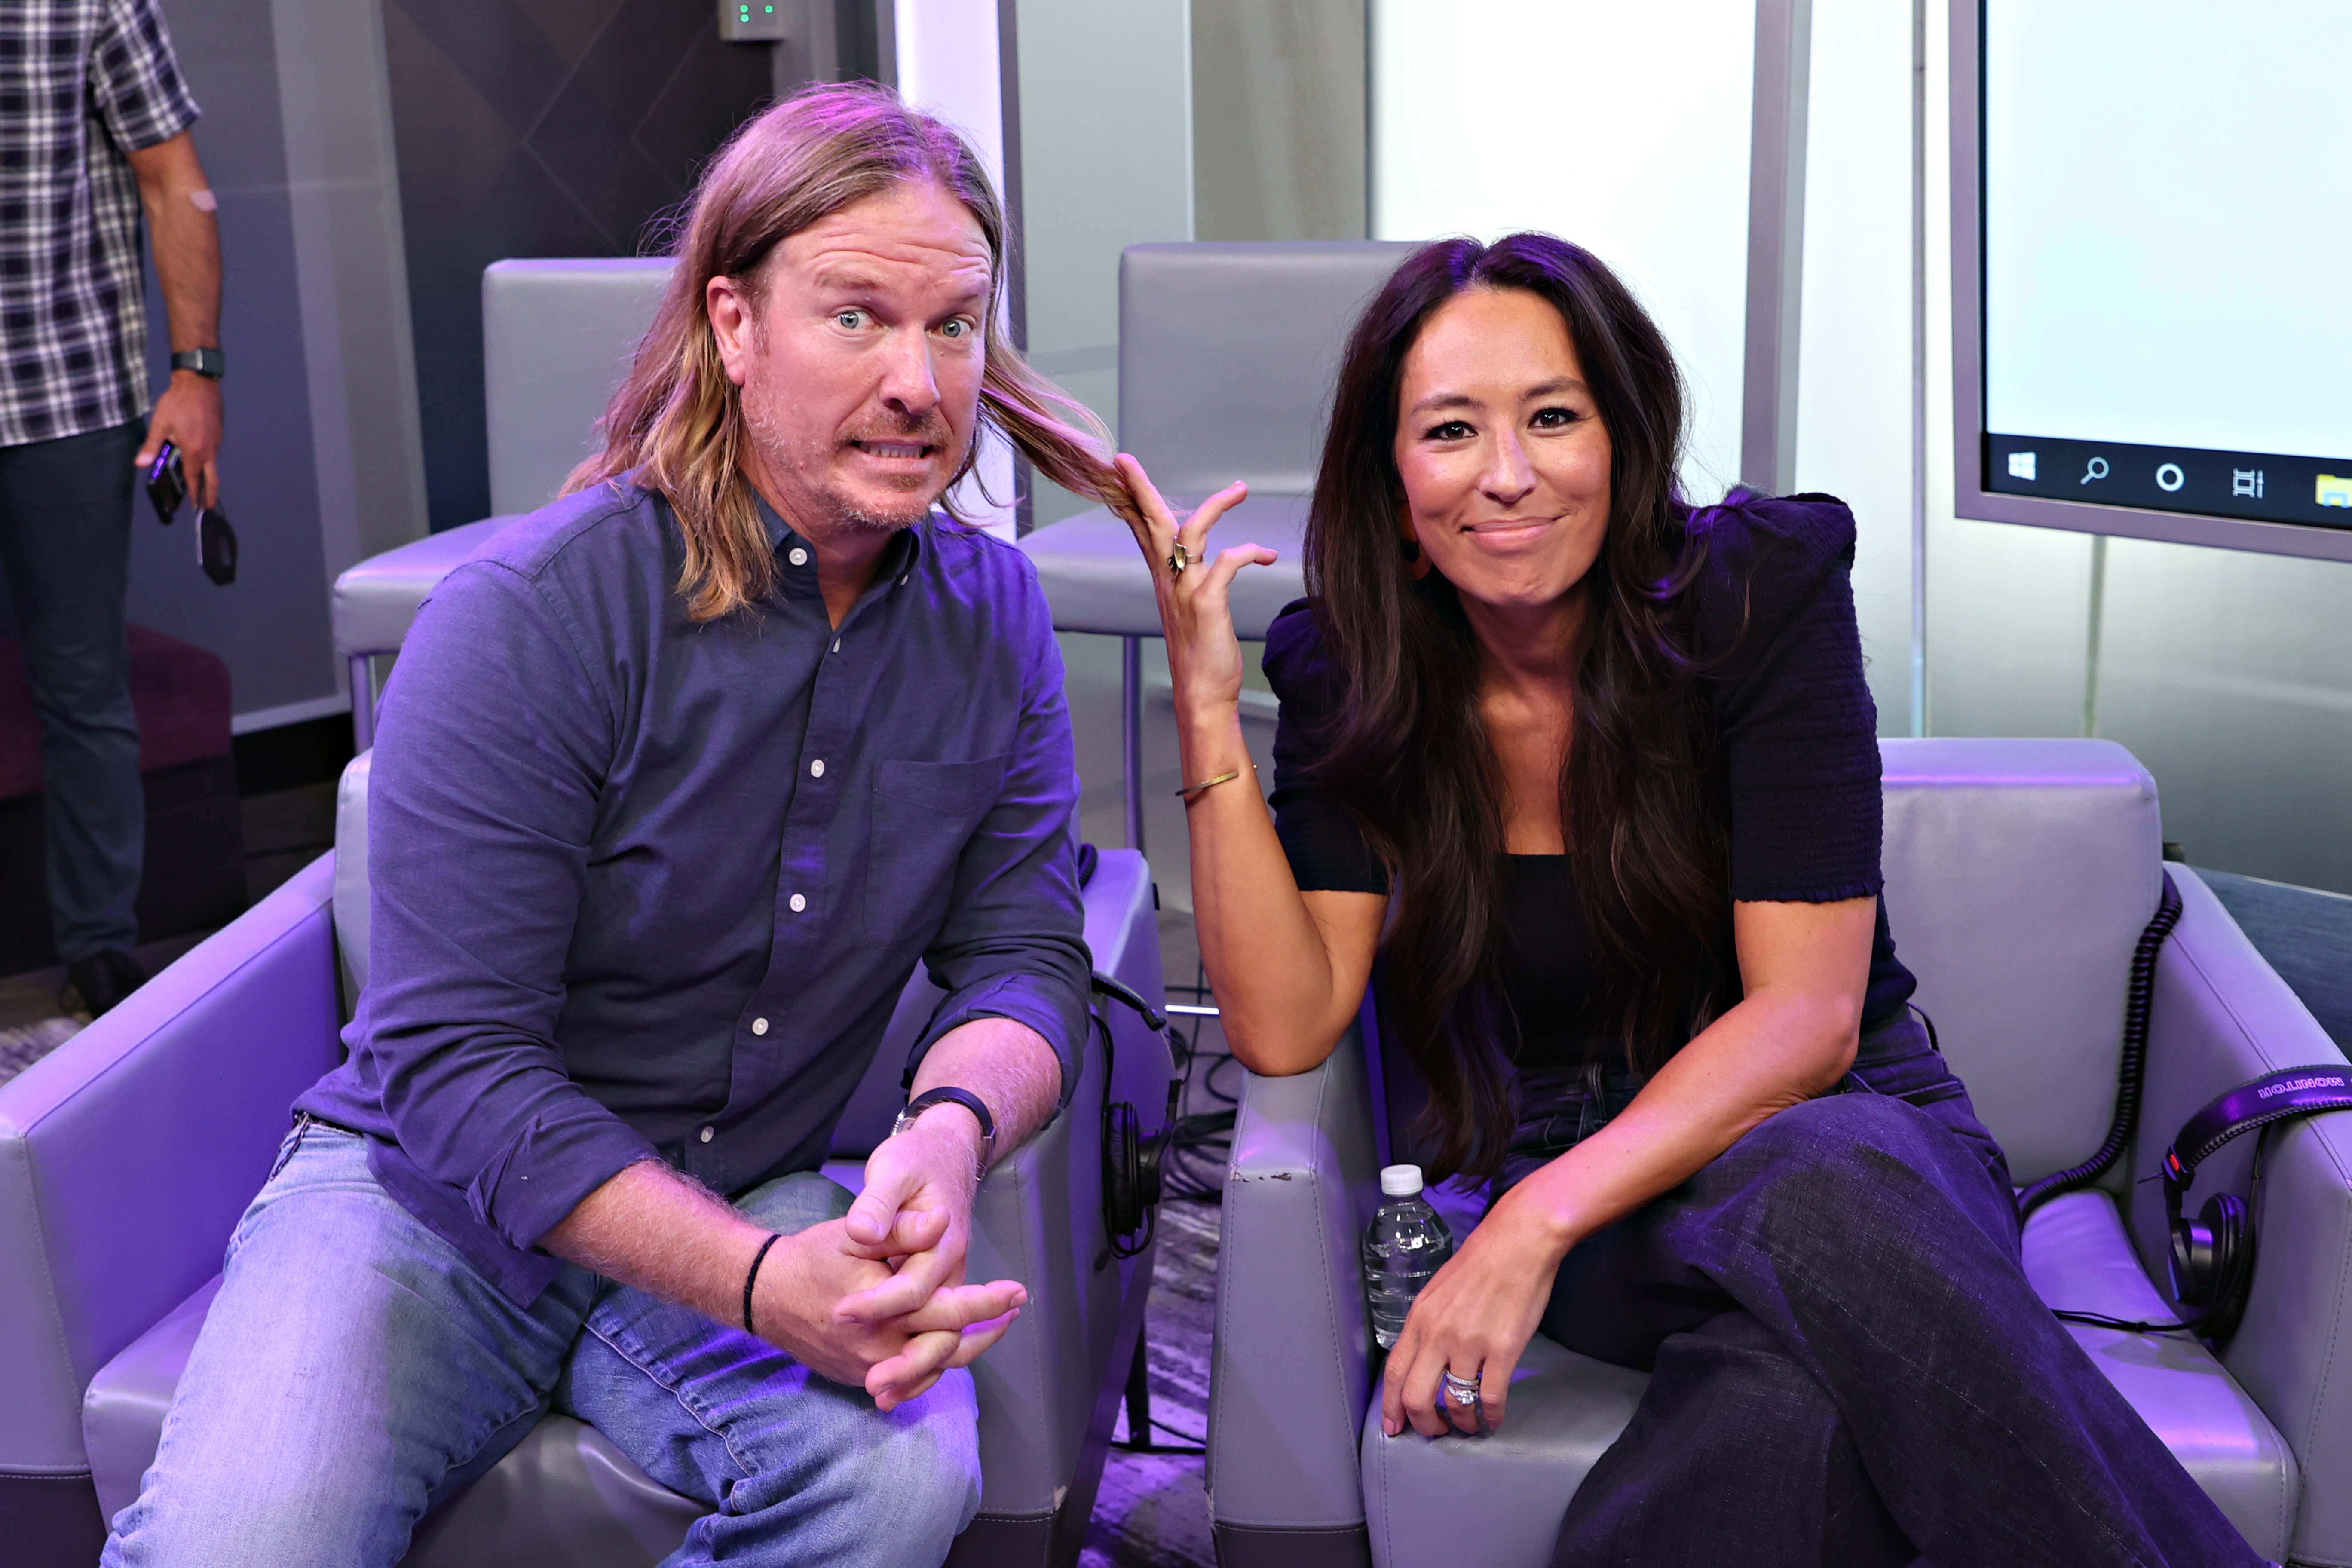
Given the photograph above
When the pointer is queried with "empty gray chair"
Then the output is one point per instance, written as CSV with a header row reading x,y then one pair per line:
x,y
2019,875
556,339
1227,354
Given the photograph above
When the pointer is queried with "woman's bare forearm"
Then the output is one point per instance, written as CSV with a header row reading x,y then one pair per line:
x,y
1805,968
1289,969
1764,1056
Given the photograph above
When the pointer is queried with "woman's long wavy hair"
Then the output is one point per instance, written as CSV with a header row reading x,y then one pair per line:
x,y
678,421
1640,800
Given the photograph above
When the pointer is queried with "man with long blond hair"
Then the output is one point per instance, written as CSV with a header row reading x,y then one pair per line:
x,y
675,785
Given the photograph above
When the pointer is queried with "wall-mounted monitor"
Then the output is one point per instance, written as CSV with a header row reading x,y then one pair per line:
x,y
2152,268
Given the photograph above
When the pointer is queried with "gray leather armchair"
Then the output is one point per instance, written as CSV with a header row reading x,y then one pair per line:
x,y
556,339
126,1155
2019,876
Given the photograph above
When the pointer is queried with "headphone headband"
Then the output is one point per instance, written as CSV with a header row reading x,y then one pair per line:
x,y
2273,1096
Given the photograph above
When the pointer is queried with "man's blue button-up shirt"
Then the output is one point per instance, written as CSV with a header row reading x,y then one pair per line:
x,y
643,887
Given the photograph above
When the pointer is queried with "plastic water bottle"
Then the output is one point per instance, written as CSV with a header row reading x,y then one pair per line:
x,y
1407,1243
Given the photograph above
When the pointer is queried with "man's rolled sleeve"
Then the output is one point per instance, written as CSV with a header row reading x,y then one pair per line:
x,y
541,1175
1013,945
481,803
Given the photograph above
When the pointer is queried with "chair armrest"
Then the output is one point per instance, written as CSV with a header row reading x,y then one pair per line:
x,y
2220,1016
127,1154
1048,1391
1289,1377
376,602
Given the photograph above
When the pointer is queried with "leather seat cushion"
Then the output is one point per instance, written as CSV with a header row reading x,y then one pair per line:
x,y
1566,1410
2079,1257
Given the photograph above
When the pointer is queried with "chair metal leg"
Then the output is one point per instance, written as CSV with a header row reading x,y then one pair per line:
x,y
1130,727
1139,1391
362,702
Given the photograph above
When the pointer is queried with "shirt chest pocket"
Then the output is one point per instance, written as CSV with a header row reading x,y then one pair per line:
x,y
924,813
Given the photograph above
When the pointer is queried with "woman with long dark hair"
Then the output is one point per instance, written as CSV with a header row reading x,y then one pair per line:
x,y
1593,774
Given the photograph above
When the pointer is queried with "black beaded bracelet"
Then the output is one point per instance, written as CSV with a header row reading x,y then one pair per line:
x,y
754,1278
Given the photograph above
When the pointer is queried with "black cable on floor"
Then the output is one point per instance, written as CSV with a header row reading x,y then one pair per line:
x,y
1199,1445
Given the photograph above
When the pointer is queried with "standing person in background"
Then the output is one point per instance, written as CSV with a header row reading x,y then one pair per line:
x,y
94,127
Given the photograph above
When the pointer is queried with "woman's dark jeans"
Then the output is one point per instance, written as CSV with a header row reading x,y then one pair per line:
x,y
1848,1366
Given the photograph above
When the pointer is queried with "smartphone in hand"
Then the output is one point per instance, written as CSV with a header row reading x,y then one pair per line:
x,y
167,483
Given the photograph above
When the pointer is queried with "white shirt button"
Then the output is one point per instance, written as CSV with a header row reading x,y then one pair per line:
x,y
816,769
758,1026
709,1133
837,644
797,557
798,903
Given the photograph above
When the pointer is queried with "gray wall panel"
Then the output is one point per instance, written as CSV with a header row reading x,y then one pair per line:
x,y
271,625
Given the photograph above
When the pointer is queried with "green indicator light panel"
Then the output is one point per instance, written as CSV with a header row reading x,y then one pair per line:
x,y
755,21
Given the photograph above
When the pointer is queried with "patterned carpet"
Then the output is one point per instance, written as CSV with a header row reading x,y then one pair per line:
x,y
21,1047
1152,1511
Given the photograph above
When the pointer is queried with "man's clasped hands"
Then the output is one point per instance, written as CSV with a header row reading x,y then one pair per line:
x,y
878,1298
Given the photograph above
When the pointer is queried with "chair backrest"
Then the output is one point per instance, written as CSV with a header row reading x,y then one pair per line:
x,y
556,339
2019,876
1227,353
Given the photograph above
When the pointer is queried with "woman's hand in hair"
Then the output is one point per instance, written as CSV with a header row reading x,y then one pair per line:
x,y
1204,658
1473,1319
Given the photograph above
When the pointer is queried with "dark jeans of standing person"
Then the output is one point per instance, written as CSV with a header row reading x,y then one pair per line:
x,y
65,542
1848,1366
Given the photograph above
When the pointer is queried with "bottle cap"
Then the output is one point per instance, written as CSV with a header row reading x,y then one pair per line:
x,y
1400,1181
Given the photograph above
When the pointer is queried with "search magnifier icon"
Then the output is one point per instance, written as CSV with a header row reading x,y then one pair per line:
x,y
2096,469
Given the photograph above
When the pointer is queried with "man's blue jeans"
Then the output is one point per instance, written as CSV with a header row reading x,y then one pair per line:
x,y
354,1373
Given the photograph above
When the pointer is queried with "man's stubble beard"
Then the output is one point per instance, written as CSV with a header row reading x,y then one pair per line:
x,y
781,456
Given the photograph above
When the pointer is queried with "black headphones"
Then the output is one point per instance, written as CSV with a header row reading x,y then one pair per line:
x,y
2213,1255
2212,1261
1131,1157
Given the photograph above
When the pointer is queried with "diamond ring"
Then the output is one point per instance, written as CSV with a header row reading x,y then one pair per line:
x,y
1178,559
1462,1391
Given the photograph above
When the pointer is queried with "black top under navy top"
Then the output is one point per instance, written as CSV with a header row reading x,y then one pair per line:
x,y
1773,626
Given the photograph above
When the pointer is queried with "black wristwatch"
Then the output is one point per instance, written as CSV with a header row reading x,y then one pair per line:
x,y
207,362
963,1097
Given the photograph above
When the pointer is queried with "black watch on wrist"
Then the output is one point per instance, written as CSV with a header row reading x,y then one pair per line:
x,y
207,362
963,1097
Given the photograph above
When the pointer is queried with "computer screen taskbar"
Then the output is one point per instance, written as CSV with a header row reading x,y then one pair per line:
x,y
2259,485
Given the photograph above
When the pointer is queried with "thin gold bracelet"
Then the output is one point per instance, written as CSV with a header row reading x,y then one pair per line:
x,y
1191,792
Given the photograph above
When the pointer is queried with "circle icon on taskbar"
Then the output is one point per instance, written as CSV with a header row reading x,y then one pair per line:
x,y
2169,478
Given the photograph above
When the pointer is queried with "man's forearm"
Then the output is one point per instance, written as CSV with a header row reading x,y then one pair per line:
x,y
653,1229
1008,1065
186,238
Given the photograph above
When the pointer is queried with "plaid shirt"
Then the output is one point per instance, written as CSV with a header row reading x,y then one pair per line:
x,y
82,82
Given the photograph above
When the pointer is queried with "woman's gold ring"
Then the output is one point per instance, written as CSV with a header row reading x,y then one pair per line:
x,y
1178,559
